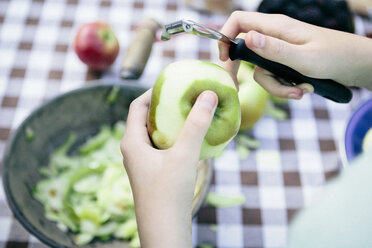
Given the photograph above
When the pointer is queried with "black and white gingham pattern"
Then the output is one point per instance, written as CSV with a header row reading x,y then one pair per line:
x,y
296,156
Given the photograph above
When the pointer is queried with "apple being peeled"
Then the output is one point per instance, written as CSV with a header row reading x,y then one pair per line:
x,y
96,45
252,97
174,94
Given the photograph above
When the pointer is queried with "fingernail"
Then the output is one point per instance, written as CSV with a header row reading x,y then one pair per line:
x,y
258,40
208,100
306,88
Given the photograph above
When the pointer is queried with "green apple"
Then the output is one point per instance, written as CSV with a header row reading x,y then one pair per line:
x,y
367,141
252,97
174,94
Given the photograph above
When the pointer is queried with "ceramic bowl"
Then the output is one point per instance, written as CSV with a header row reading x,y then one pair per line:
x,y
81,111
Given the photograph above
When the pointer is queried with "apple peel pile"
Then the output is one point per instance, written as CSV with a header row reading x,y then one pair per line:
x,y
174,94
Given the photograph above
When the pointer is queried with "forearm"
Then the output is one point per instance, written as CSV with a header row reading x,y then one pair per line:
x,y
160,224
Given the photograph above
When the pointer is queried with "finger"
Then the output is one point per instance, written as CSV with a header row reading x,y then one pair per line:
x,y
232,67
285,28
271,85
136,122
197,123
223,50
274,49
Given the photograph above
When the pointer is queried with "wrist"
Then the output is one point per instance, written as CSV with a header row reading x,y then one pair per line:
x,y
354,64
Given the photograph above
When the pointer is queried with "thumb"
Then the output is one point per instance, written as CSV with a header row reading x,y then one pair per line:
x,y
197,123
273,48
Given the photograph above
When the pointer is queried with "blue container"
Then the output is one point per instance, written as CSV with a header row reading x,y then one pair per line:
x,y
359,123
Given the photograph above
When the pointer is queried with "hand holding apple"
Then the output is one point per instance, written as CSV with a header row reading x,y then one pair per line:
x,y
96,45
174,94
163,181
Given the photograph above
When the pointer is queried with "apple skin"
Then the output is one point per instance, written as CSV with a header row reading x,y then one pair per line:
x,y
174,94
252,97
96,45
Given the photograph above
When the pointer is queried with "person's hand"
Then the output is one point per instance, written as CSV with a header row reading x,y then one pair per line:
x,y
311,50
163,181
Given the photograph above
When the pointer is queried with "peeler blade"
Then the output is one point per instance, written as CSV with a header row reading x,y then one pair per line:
x,y
191,27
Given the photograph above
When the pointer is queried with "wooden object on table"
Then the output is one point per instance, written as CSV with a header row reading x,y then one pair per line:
x,y
139,50
362,7
212,6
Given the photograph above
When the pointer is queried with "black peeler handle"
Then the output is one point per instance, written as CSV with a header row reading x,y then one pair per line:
x,y
324,87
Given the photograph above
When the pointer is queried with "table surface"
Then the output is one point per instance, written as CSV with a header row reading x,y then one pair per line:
x,y
296,157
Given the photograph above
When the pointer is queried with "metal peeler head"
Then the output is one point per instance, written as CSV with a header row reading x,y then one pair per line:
x,y
191,27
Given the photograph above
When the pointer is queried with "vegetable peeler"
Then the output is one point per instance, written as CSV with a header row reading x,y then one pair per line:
x,y
238,50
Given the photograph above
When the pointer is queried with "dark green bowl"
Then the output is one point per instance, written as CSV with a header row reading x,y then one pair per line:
x,y
80,111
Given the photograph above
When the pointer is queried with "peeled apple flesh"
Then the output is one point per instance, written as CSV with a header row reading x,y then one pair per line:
x,y
174,94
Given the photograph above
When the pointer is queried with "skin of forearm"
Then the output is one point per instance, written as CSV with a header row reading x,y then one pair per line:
x,y
164,214
163,225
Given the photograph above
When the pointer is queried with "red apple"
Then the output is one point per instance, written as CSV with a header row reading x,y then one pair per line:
x,y
96,45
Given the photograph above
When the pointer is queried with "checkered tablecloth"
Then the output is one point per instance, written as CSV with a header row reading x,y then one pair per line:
x,y
296,156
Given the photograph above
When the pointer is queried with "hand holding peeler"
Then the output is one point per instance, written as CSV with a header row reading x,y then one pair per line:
x,y
238,50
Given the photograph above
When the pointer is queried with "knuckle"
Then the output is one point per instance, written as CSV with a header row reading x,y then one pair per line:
x,y
200,121
133,105
195,123
279,49
204,121
235,17
236,14
284,21
127,145
123,146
